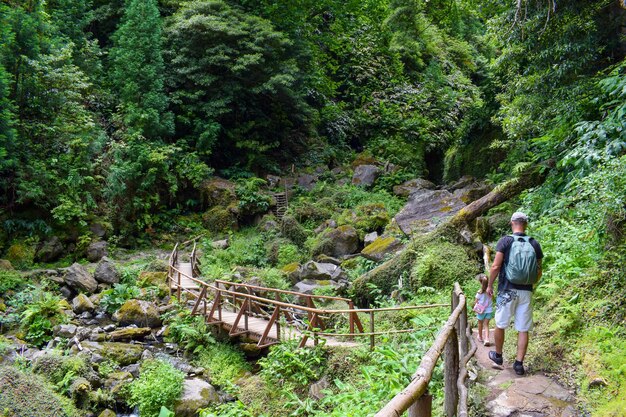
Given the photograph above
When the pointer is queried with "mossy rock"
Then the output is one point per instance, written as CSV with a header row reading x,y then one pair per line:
x,y
440,265
314,211
364,158
219,220
292,230
218,192
156,279
139,312
25,394
344,240
122,353
6,265
20,255
116,382
107,413
381,247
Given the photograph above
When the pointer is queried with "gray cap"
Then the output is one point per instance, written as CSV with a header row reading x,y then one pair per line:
x,y
518,216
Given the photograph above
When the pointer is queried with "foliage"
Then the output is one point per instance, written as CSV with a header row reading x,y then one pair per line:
x,y
189,332
159,384
430,271
224,364
23,393
112,299
138,70
10,281
40,317
61,370
287,364
251,199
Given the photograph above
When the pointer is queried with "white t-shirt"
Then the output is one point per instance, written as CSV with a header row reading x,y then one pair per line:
x,y
485,299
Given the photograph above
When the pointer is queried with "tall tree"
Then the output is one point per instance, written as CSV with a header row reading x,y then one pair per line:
x,y
138,71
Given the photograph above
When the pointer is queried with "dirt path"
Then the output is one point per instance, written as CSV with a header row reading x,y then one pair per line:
x,y
531,395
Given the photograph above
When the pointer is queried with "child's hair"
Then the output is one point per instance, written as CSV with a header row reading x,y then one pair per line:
x,y
483,283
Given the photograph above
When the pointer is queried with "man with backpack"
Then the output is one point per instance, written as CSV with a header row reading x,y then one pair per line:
x,y
518,267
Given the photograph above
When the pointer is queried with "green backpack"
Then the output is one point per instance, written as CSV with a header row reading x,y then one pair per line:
x,y
522,266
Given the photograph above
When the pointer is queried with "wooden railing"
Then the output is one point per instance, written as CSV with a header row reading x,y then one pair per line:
x,y
455,342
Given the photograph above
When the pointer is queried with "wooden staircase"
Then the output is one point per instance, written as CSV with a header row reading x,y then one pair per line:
x,y
281,204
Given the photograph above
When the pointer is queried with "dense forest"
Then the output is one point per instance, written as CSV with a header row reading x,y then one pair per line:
x,y
142,123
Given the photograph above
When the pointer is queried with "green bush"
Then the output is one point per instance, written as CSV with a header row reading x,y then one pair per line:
x,y
20,255
440,264
219,220
292,230
190,332
159,384
287,364
10,281
26,394
251,199
40,317
61,370
288,254
224,364
112,299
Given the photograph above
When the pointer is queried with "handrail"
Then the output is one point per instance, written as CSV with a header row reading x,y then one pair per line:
x,y
325,297
414,397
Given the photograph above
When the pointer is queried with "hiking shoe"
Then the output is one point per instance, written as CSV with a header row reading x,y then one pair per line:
x,y
518,367
497,359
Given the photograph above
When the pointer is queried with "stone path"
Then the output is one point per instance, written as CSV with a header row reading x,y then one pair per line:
x,y
530,395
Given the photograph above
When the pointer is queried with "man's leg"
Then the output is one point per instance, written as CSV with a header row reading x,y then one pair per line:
x,y
498,334
522,344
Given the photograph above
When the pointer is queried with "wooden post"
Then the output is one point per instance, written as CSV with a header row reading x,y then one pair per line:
x,y
179,286
372,337
247,313
423,407
451,374
351,306
278,323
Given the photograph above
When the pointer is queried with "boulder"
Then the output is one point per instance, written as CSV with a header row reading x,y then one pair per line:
x,y
218,192
96,251
272,180
292,271
462,182
425,209
327,224
344,240
197,394
306,181
5,265
122,353
472,192
129,333
106,272
409,187
381,247
365,175
370,237
98,230
223,244
107,413
319,271
65,330
79,279
138,312
308,286
81,304
49,250
155,279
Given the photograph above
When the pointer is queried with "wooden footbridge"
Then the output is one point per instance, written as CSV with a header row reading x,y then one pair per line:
x,y
269,316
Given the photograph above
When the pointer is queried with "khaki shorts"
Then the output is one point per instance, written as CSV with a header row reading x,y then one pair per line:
x,y
515,304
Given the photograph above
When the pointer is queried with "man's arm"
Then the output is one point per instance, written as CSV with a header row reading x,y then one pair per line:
x,y
494,271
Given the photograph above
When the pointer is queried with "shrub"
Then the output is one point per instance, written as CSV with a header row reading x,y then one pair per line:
x,y
286,364
188,331
429,269
224,364
288,254
159,384
61,370
112,299
20,255
219,219
41,316
26,394
292,230
251,200
10,281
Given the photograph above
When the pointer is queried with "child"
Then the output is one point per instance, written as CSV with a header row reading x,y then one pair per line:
x,y
483,306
